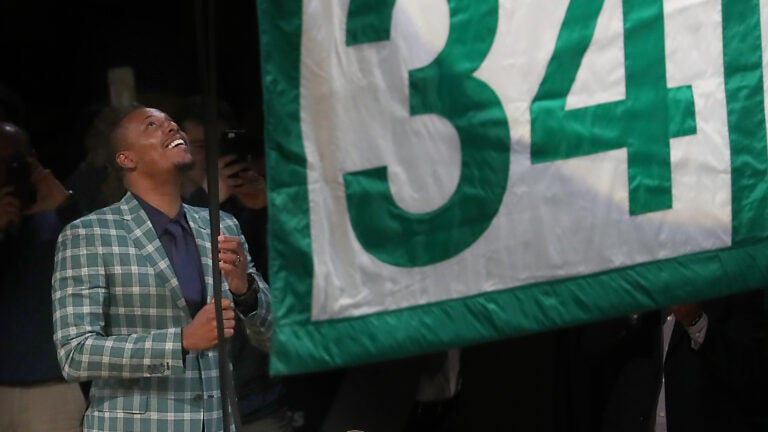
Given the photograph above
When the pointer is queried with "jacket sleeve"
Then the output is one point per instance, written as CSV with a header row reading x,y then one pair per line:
x,y
258,324
257,316
81,300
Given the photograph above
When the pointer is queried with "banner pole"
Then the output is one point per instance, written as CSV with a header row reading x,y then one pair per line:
x,y
205,18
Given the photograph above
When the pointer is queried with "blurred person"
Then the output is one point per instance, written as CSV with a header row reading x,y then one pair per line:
x,y
96,181
692,367
242,192
416,393
132,284
34,207
438,384
242,186
241,181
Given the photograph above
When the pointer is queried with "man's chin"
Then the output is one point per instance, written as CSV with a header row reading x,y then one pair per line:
x,y
185,166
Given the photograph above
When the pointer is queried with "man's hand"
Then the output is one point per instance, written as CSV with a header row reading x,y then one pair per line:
x,y
687,313
10,208
201,333
233,264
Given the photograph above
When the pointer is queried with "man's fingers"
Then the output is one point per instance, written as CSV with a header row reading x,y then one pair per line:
x,y
230,244
229,251
225,303
230,258
228,240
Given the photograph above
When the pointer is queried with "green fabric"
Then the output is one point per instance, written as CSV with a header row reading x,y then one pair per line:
x,y
644,122
288,240
744,92
518,311
368,21
445,87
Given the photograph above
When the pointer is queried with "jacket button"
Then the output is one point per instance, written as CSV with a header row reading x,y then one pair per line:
x,y
198,397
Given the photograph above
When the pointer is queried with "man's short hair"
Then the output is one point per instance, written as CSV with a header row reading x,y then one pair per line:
x,y
116,144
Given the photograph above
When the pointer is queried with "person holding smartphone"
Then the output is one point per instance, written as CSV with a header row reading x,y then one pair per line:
x,y
242,191
34,207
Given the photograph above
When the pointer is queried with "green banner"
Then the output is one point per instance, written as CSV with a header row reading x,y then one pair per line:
x,y
448,173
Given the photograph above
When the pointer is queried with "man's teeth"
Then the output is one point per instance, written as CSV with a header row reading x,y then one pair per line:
x,y
176,143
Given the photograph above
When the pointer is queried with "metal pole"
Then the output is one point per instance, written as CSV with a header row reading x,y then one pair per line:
x,y
206,42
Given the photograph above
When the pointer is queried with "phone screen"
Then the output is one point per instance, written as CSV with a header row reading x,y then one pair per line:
x,y
235,142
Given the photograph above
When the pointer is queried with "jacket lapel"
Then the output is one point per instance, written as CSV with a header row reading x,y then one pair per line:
x,y
202,233
144,238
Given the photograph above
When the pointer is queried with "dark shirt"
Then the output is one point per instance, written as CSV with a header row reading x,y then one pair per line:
x,y
26,267
183,253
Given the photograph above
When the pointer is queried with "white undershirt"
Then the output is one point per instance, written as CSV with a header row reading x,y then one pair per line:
x,y
697,333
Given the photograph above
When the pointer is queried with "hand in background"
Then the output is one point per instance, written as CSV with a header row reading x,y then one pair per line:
x,y
228,180
252,191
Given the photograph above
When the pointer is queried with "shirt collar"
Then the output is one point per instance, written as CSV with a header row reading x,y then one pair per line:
x,y
160,220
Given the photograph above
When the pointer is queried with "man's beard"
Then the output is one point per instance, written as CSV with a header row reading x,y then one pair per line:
x,y
184,167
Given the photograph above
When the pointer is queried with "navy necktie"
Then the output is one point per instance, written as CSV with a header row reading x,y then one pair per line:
x,y
185,261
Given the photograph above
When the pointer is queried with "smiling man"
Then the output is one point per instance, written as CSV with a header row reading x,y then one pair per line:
x,y
131,293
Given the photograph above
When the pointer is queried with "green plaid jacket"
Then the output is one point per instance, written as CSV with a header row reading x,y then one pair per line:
x,y
118,311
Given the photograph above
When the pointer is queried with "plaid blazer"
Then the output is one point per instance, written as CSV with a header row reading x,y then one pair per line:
x,y
118,311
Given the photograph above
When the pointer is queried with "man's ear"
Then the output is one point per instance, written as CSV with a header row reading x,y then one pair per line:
x,y
125,160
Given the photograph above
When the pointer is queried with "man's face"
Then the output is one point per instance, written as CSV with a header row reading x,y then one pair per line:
x,y
153,143
196,135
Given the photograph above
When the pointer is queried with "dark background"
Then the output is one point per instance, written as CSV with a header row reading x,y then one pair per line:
x,y
55,57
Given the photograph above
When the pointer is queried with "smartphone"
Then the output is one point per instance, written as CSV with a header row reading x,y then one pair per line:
x,y
236,142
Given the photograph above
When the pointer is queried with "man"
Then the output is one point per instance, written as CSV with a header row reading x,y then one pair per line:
x,y
693,367
33,208
132,285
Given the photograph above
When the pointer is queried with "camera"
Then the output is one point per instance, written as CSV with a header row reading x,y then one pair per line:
x,y
18,173
236,142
